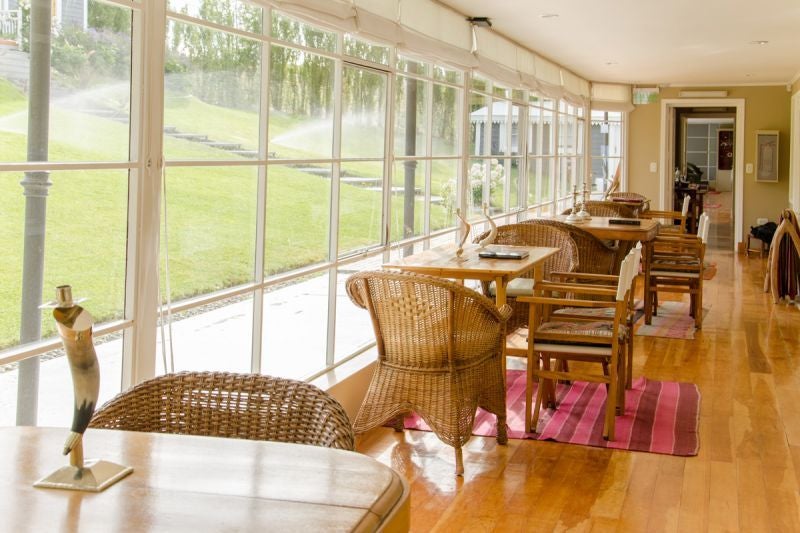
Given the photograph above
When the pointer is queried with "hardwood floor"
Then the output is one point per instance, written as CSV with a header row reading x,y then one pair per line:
x,y
746,362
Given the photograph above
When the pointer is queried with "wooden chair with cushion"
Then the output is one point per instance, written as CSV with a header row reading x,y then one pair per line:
x,y
669,218
222,404
594,255
523,234
675,263
440,350
607,313
560,338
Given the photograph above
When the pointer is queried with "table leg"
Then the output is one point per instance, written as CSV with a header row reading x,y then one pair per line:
x,y
500,291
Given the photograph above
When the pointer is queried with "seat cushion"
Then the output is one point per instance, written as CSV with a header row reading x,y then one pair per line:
x,y
596,312
516,287
600,328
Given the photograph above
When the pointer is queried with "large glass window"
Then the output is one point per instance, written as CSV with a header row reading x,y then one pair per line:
x,y
276,182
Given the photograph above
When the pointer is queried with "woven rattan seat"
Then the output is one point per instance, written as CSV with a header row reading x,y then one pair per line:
x,y
440,348
222,404
524,234
594,255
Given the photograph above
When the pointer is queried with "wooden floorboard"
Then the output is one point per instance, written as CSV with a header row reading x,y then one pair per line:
x,y
746,363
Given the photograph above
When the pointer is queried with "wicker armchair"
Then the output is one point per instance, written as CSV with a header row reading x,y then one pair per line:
x,y
598,208
594,255
523,234
221,404
440,348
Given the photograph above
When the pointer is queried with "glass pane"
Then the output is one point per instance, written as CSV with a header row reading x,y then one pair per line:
x,y
501,128
55,383
513,182
353,324
86,115
295,327
408,199
518,95
502,92
487,182
412,66
212,89
479,123
534,180
234,13
478,83
603,169
210,229
548,133
301,104
410,117
499,174
446,120
444,177
298,217
367,51
534,131
296,32
548,169
363,113
514,148
448,75
213,337
360,206
75,235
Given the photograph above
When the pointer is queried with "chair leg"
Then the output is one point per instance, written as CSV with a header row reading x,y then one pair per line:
x,y
529,393
620,410
611,408
698,319
459,461
502,430
629,364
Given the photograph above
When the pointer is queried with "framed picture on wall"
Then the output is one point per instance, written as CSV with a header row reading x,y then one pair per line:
x,y
767,155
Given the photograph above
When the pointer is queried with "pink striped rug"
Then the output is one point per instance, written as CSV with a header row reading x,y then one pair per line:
x,y
660,416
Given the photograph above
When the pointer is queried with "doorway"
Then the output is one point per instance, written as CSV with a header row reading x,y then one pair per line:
x,y
691,140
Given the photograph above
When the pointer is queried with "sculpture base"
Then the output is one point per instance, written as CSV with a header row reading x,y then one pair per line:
x,y
574,218
96,476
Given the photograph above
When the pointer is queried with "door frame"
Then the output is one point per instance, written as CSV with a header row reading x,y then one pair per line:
x,y
667,150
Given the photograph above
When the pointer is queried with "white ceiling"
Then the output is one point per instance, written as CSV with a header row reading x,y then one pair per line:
x,y
644,42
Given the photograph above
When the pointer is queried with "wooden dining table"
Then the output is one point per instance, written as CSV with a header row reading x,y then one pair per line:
x,y
443,262
193,484
603,228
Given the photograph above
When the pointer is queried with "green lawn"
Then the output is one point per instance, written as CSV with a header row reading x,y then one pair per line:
x,y
211,210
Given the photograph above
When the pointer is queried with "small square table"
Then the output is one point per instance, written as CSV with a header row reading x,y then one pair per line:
x,y
442,261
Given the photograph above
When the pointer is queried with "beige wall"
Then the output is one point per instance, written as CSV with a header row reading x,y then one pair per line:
x,y
766,108
796,86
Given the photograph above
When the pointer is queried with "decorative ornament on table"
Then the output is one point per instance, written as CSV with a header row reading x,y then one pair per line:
x,y
74,325
573,216
489,239
465,233
583,213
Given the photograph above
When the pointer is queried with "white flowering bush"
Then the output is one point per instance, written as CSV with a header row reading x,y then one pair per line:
x,y
476,182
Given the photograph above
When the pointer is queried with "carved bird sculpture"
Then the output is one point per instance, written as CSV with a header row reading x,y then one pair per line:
x,y
74,325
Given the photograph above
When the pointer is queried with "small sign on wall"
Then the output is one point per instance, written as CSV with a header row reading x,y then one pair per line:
x,y
767,155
